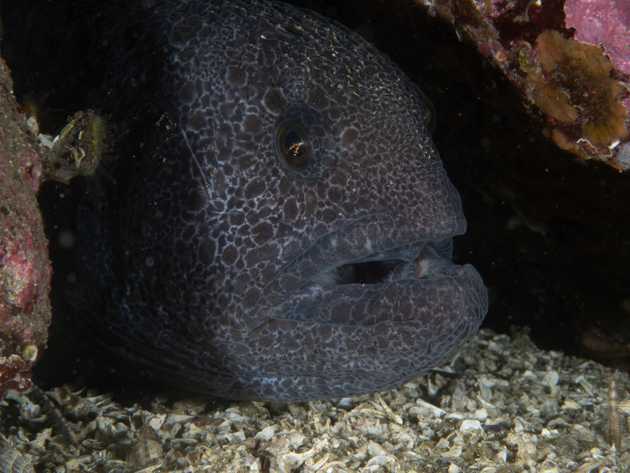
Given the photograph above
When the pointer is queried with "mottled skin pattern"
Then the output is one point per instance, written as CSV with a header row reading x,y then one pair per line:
x,y
220,262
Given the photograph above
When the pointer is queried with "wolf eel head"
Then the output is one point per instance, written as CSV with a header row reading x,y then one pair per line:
x,y
283,230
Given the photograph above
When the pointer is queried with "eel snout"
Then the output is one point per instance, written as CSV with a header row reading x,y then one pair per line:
x,y
371,323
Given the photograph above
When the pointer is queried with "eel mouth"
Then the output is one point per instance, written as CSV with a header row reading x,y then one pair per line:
x,y
415,261
376,254
371,272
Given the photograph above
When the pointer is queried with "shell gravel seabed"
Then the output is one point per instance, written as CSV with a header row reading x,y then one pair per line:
x,y
503,405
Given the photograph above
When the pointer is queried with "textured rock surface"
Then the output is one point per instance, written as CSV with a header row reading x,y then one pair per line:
x,y
602,22
576,78
24,266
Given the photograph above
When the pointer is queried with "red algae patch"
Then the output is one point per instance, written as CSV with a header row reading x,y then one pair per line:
x,y
24,266
605,23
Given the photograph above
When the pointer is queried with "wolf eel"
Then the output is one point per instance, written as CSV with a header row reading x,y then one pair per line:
x,y
278,223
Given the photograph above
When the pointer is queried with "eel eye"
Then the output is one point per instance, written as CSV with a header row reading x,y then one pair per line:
x,y
294,147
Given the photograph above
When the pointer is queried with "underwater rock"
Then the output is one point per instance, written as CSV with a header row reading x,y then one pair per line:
x,y
24,267
605,23
569,60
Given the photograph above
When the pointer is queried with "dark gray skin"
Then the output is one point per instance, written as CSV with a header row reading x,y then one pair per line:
x,y
282,223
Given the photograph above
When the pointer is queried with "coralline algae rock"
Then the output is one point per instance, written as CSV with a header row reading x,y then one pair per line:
x,y
24,266
605,23
570,59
